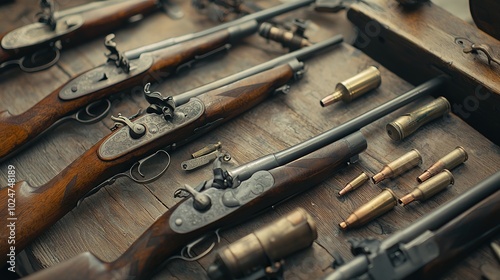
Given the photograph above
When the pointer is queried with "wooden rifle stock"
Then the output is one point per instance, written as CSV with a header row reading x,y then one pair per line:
x,y
95,22
18,131
39,208
160,241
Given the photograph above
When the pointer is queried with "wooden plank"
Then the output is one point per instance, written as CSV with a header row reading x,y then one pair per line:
x,y
109,221
428,41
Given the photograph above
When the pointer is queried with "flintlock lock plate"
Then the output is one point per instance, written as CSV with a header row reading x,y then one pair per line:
x,y
121,143
103,76
37,33
186,218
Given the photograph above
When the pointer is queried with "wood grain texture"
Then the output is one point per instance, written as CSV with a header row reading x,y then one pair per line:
x,y
107,223
428,41
96,23
17,131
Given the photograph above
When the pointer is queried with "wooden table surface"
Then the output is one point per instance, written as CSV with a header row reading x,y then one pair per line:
x,y
109,221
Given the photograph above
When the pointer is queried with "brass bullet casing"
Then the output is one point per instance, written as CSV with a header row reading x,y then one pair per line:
x,y
405,125
272,243
429,187
354,184
400,165
287,39
382,203
206,150
354,87
449,161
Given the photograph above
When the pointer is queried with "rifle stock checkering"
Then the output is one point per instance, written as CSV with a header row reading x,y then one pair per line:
x,y
276,149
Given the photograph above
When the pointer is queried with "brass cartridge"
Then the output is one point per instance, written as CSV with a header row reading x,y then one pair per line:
x,y
206,150
354,184
409,123
382,203
262,248
286,38
449,161
354,87
400,165
429,188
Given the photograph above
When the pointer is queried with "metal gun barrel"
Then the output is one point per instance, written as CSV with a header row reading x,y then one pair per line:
x,y
336,133
258,16
299,54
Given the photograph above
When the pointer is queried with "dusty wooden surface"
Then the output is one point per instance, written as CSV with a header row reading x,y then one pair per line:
x,y
109,221
428,41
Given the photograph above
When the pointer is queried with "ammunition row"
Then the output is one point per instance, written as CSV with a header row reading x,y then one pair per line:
x,y
433,180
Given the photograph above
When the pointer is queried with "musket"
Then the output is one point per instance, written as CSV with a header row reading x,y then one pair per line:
x,y
216,207
37,46
167,125
433,242
83,98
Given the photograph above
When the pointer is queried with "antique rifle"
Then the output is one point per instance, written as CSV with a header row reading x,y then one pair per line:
x,y
83,97
218,206
37,46
136,143
432,243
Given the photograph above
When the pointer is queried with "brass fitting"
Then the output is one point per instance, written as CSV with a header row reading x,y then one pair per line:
x,y
255,251
286,38
400,165
354,87
354,184
382,203
409,123
449,161
429,188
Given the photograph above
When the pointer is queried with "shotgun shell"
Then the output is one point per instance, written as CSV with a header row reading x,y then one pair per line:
x,y
400,165
429,188
408,123
382,203
354,87
449,161
354,184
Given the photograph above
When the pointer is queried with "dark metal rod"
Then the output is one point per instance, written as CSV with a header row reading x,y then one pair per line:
x,y
298,54
258,16
336,133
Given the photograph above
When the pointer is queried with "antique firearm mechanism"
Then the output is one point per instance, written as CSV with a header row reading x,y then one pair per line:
x,y
83,98
37,46
172,121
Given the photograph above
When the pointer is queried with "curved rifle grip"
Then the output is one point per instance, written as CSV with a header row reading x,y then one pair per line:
x,y
38,208
17,130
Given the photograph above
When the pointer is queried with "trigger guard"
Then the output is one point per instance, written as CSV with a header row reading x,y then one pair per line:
x,y
29,64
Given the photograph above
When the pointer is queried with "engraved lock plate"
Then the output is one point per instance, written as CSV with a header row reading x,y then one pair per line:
x,y
121,143
103,76
224,201
37,33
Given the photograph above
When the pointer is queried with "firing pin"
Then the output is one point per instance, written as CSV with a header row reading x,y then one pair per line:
x,y
382,203
429,188
400,165
405,125
449,161
354,87
260,252
354,184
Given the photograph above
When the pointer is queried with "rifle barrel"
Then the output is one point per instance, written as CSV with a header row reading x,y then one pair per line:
x,y
257,16
336,133
296,55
